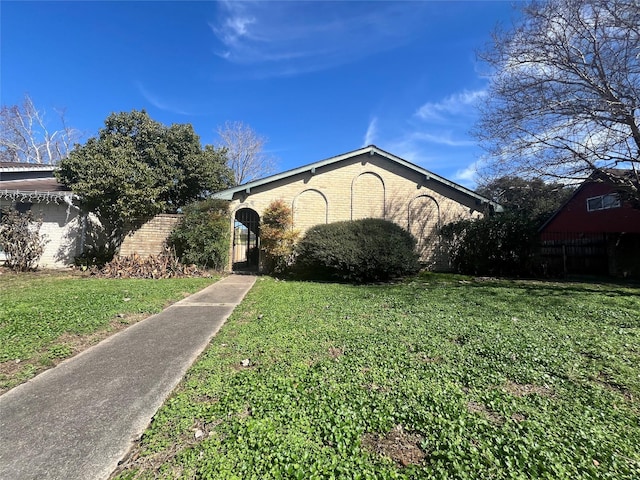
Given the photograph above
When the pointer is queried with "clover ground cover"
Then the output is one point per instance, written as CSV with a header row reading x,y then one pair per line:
x,y
436,377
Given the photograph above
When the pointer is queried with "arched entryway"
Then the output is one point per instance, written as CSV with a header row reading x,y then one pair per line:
x,y
246,240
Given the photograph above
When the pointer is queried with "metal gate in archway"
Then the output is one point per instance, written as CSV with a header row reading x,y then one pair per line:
x,y
246,239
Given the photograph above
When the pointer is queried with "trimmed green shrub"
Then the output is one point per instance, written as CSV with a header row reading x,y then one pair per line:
x,y
357,251
202,235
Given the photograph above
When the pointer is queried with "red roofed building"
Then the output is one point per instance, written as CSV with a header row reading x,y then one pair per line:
x,y
596,231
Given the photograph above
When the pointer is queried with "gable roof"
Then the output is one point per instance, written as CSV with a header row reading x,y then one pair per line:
x,y
594,179
371,150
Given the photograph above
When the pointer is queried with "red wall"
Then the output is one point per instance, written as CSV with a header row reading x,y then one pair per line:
x,y
574,217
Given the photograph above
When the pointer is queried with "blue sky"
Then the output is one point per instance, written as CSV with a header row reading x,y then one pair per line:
x,y
317,79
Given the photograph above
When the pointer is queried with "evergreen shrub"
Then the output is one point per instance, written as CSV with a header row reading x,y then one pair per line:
x,y
357,251
501,245
202,235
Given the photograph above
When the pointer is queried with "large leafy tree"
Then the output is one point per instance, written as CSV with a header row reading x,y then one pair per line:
x,y
564,98
136,168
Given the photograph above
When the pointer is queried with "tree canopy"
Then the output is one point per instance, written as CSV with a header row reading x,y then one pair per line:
x,y
136,168
531,198
564,98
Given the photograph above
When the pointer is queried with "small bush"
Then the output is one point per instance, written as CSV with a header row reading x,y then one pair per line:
x,y
278,237
95,256
20,240
100,245
202,236
357,251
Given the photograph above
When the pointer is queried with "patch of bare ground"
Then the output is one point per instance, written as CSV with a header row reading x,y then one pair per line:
x,y
336,352
518,417
399,445
481,409
248,316
71,344
143,465
524,389
424,358
70,272
374,387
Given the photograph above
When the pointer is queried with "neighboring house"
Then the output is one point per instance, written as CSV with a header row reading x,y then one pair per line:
x,y
33,187
594,232
368,182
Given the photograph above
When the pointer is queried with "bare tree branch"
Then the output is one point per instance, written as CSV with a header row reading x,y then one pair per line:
x,y
564,99
245,152
25,135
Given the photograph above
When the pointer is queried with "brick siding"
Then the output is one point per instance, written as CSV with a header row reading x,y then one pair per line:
x,y
365,186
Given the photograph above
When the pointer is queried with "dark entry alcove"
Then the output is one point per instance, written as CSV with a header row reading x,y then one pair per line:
x,y
246,240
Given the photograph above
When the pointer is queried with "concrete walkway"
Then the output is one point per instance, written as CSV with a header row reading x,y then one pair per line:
x,y
77,420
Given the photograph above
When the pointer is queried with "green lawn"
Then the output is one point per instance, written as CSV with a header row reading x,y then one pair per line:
x,y
46,317
438,377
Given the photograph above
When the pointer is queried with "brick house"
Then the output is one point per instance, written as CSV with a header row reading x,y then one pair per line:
x,y
594,232
368,182
27,186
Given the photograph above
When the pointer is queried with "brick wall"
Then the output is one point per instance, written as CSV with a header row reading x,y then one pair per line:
x,y
151,237
367,186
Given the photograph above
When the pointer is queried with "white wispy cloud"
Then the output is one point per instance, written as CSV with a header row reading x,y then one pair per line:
x,y
461,103
159,103
286,38
441,138
467,175
436,135
372,132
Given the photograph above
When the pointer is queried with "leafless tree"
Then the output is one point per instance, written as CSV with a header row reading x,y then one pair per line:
x,y
564,97
245,152
25,135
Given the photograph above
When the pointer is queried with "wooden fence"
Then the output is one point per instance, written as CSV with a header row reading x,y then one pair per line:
x,y
616,254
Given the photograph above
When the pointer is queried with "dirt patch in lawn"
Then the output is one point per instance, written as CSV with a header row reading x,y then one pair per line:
x,y
336,352
524,389
67,345
482,410
399,445
135,461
